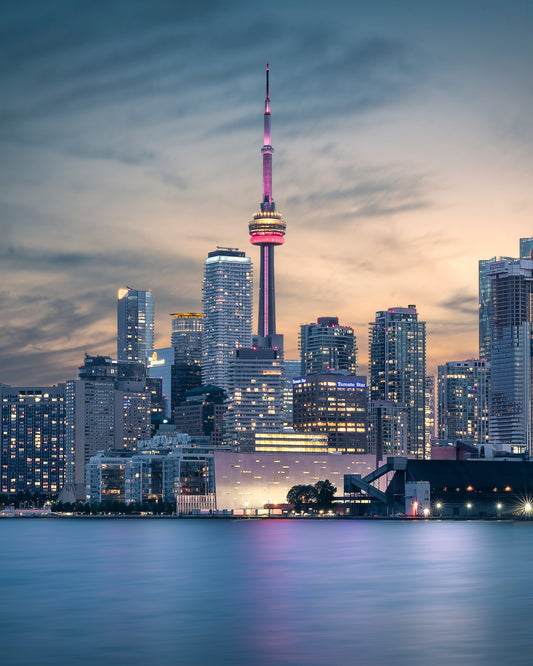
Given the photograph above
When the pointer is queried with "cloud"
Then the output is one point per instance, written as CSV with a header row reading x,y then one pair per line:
x,y
461,302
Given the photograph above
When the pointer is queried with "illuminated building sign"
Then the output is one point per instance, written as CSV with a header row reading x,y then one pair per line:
x,y
351,385
300,380
154,361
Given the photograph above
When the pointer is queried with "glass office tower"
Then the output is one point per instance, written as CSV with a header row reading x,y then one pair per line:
x,y
227,308
398,369
135,325
511,294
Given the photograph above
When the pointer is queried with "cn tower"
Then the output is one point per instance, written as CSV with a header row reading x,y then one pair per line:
x,y
267,230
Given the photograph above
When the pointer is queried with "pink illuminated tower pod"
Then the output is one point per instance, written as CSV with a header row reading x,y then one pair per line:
x,y
267,230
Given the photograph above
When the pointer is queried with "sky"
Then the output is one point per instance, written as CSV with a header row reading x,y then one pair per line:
x,y
130,137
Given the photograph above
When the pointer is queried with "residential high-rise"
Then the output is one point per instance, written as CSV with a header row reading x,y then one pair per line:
x,y
463,401
227,308
135,330
186,339
398,369
32,439
484,304
511,314
255,387
431,410
104,410
387,429
267,229
327,347
335,404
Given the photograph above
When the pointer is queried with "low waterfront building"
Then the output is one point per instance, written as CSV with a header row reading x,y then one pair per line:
x,y
250,481
165,468
106,477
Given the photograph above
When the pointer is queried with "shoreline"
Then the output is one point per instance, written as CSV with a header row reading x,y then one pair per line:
x,y
404,519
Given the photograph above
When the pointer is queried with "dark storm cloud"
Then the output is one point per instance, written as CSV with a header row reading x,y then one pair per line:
x,y
461,302
384,197
118,53
26,258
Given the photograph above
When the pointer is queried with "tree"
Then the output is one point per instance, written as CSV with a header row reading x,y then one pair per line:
x,y
313,498
325,492
301,496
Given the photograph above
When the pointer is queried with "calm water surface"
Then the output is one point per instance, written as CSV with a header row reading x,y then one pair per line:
x,y
274,592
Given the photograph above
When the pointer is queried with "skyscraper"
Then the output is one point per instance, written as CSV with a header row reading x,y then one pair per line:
x,y
463,400
186,339
335,404
484,304
511,315
255,387
227,307
135,320
387,429
327,347
398,368
32,439
107,408
431,410
267,230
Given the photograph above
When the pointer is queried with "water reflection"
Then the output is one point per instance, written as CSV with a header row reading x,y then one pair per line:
x,y
273,592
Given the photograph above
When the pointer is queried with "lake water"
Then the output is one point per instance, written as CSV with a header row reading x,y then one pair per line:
x,y
158,592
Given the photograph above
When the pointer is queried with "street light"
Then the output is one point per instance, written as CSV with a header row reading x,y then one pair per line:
x,y
426,512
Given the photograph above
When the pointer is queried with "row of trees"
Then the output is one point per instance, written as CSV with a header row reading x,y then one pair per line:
x,y
312,499
24,500
114,507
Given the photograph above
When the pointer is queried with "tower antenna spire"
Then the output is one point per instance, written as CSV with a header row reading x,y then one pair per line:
x,y
267,230
267,150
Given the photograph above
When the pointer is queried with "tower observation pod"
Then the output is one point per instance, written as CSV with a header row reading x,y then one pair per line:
x,y
267,230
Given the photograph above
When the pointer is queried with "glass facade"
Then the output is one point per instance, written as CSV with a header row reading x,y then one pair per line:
x,y
327,347
398,369
32,443
511,312
227,307
335,404
135,325
464,401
